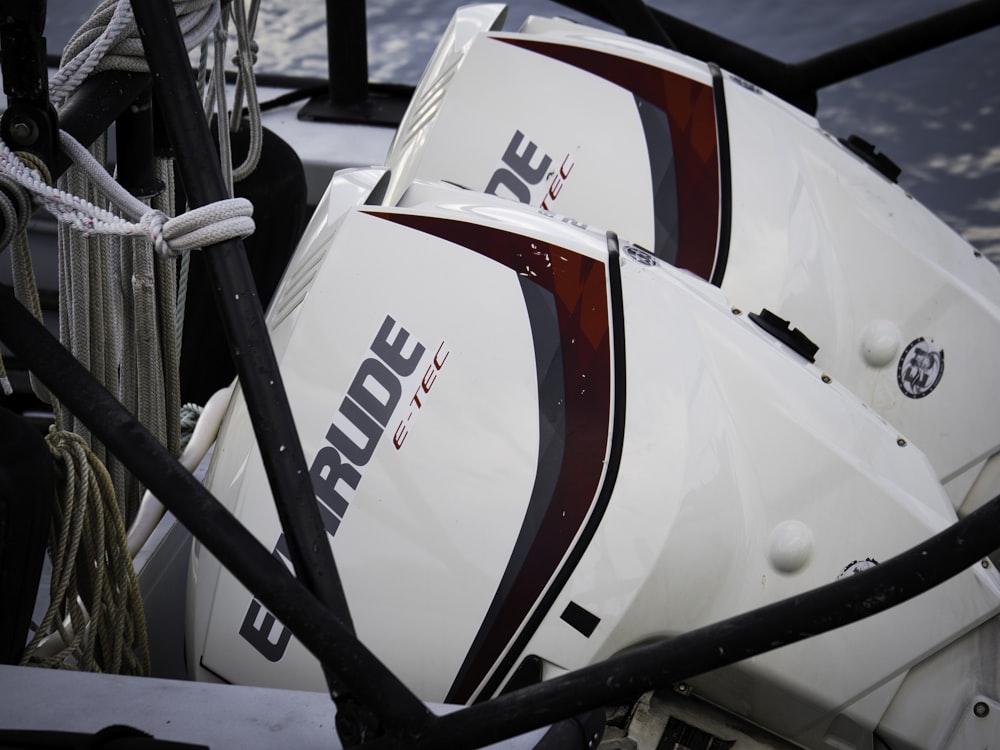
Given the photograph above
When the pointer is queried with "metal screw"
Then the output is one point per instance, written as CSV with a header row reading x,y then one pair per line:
x,y
985,563
901,442
683,688
736,311
826,378
24,131
981,710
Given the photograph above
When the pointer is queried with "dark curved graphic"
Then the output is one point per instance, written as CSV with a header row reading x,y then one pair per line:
x,y
566,297
683,148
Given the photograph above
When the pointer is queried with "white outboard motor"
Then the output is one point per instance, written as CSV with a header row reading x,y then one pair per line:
x,y
712,174
535,443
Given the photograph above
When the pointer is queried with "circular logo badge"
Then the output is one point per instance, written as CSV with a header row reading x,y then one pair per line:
x,y
920,368
639,254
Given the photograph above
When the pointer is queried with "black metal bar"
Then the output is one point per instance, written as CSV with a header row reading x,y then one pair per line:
x,y
349,96
897,44
136,148
93,107
705,45
635,18
27,481
29,122
242,317
236,548
625,677
347,51
798,83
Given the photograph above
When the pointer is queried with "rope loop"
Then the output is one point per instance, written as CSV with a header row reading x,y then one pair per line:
x,y
210,224
207,225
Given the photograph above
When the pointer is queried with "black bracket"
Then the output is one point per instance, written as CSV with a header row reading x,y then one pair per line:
x,y
782,330
30,122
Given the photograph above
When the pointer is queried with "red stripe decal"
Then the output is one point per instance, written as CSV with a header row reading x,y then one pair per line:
x,y
579,287
690,109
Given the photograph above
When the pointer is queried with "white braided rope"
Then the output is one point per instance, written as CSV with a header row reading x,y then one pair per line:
x,y
215,222
198,227
216,94
110,39
81,64
245,23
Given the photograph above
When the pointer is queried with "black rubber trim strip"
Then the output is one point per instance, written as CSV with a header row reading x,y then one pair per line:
x,y
725,175
513,655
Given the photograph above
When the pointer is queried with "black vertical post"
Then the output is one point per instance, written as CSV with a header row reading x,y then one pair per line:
x,y
349,96
136,148
347,51
27,491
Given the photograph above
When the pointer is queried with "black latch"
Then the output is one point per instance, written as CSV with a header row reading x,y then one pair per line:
x,y
782,330
878,161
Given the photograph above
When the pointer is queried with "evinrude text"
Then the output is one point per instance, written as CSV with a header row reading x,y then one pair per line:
x,y
337,469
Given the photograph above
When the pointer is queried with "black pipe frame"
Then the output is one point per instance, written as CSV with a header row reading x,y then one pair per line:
x,y
312,622
411,725
837,604
347,51
798,83
241,313
625,677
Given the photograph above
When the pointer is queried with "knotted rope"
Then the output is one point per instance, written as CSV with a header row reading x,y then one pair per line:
x,y
209,224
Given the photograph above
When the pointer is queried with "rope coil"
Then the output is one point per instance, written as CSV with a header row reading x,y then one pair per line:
x,y
108,631
109,39
15,208
121,315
